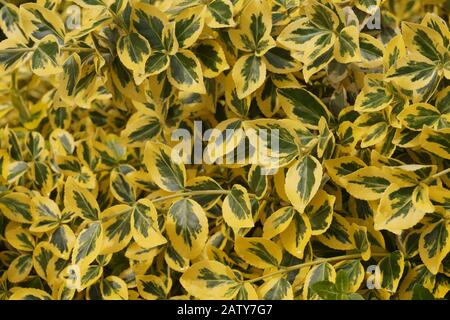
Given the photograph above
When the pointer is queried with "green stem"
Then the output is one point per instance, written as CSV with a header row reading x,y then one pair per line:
x,y
188,194
68,49
437,175
400,245
17,99
77,49
14,50
117,19
308,150
192,193
312,263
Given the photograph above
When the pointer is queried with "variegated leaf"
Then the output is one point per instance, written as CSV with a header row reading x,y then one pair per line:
x,y
168,173
210,280
259,252
236,208
303,181
187,227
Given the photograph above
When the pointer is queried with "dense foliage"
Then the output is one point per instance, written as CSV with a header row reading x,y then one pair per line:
x,y
93,204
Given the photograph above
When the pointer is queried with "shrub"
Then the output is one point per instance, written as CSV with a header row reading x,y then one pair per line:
x,y
349,201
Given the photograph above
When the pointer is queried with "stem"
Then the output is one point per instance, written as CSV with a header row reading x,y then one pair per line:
x,y
437,175
311,263
116,18
191,193
307,150
14,50
77,49
68,49
187,194
17,100
400,245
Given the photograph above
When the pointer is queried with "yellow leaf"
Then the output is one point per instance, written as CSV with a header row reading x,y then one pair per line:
x,y
259,252
210,280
